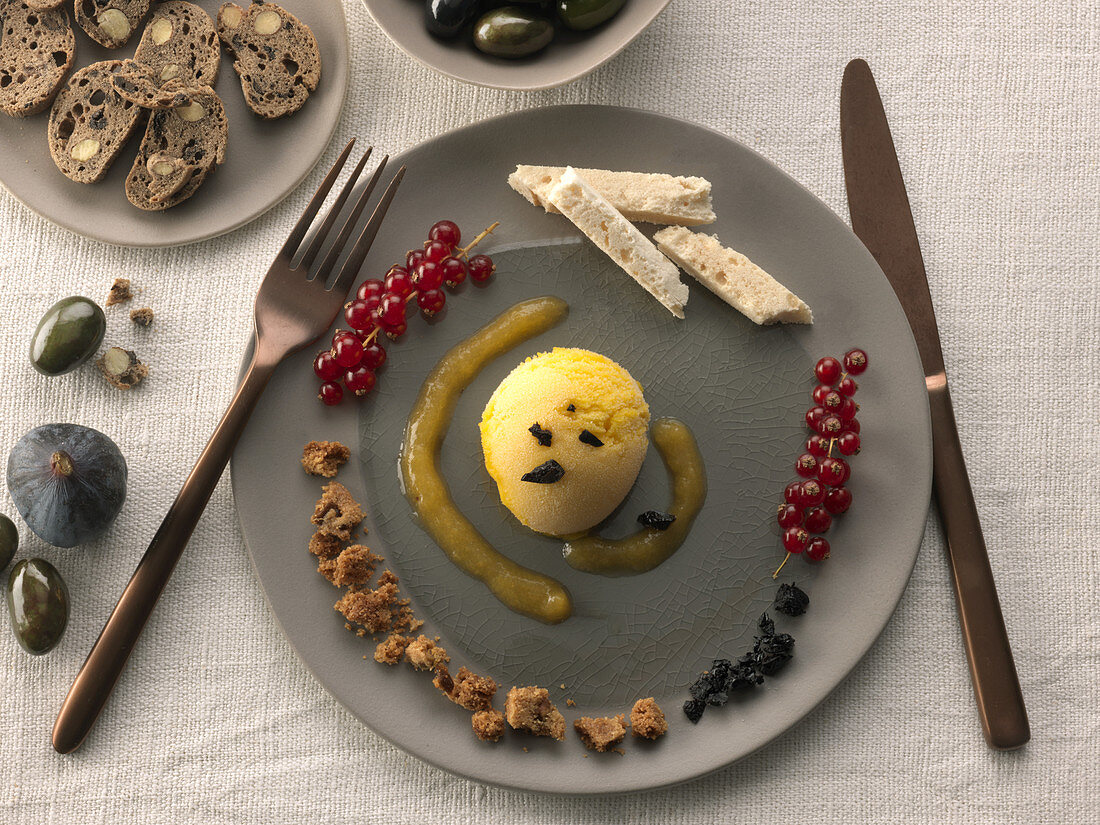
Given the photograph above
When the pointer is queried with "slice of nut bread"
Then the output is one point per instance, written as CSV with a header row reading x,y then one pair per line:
x,y
90,123
110,22
180,148
275,55
180,43
36,52
142,85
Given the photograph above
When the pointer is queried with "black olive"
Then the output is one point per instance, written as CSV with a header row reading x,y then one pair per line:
x,y
445,18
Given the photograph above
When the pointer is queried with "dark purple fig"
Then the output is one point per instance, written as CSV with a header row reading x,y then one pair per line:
x,y
67,481
38,602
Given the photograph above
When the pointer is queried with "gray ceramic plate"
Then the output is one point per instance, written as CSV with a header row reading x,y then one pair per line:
x,y
571,55
742,388
266,160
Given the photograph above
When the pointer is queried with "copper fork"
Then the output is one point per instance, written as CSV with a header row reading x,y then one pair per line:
x,y
294,308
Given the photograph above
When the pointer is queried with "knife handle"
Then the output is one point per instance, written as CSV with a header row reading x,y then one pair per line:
x,y
992,670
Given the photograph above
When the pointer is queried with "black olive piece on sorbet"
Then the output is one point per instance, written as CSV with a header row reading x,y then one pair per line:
x,y
546,473
656,520
588,438
571,408
544,437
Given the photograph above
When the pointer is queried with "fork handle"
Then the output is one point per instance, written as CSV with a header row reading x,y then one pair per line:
x,y
992,669
105,662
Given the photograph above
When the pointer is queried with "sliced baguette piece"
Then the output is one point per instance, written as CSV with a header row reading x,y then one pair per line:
x,y
141,84
43,5
733,277
180,148
274,53
36,52
619,239
180,44
110,23
90,123
640,196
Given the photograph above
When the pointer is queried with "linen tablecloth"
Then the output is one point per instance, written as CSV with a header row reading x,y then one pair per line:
x,y
995,109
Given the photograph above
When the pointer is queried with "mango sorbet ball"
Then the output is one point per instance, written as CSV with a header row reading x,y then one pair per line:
x,y
592,420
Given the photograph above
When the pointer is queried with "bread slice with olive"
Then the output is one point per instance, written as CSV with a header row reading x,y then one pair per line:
x,y
180,43
110,22
141,85
36,52
43,5
275,55
181,147
90,123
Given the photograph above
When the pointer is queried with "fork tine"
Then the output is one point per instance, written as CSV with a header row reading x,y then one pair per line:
x,y
362,246
333,213
338,245
314,206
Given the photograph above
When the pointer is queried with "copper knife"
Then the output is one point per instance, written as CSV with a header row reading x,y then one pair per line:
x,y
882,219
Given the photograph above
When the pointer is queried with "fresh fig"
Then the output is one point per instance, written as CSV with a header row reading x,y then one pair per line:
x,y
67,481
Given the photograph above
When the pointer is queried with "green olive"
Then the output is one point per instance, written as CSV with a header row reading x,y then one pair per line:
x,y
67,336
38,602
9,541
512,31
582,15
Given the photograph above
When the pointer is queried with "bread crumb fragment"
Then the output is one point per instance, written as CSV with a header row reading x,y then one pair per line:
x,y
600,733
337,513
324,545
465,689
391,650
142,317
353,567
121,368
120,292
647,720
425,654
530,709
488,725
324,458
373,609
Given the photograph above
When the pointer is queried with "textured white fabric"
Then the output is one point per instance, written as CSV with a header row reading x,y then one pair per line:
x,y
995,107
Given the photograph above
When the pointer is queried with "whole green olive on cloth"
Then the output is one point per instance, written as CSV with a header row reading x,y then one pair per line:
x,y
512,31
68,335
9,540
38,603
68,482
581,15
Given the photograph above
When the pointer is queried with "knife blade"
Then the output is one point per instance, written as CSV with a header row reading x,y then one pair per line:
x,y
883,220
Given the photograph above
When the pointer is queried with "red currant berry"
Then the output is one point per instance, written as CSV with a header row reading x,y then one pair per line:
x,y
848,443
357,314
481,268
436,251
399,283
446,232
374,356
818,549
454,272
810,493
806,465
795,539
789,515
855,361
817,520
833,401
792,492
348,351
391,312
827,370
848,409
430,301
838,500
832,472
359,380
370,288
814,416
817,446
829,426
395,332
819,393
413,259
326,367
331,393
847,386
429,275
853,425
340,334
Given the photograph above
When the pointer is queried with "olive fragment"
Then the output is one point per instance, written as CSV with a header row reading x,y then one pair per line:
x,y
588,438
9,541
544,437
546,473
38,602
581,15
655,520
67,336
512,31
791,600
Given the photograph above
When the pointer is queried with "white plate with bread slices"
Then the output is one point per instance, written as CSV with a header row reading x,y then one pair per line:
x,y
698,266
149,124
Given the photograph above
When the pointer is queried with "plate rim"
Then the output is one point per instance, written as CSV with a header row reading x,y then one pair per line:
x,y
256,214
690,774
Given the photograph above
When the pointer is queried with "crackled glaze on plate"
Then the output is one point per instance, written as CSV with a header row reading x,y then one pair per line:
x,y
743,389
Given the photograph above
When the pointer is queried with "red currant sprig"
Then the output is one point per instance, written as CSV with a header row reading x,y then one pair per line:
x,y
812,501
381,306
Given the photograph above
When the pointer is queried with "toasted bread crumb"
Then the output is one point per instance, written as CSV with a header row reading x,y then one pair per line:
x,y
570,703
425,654
373,609
120,292
324,545
530,709
600,733
488,725
466,689
353,567
337,513
390,651
647,720
324,458
142,317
